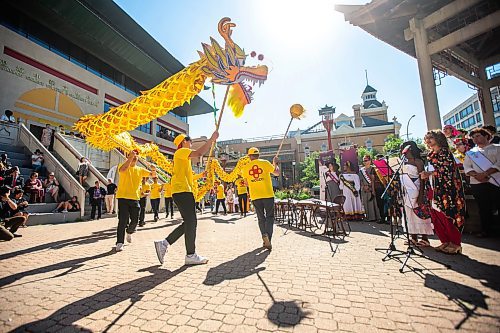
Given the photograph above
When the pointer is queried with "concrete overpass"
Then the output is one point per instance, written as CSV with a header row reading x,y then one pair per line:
x,y
455,37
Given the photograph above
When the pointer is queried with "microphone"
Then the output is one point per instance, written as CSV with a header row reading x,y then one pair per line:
x,y
405,150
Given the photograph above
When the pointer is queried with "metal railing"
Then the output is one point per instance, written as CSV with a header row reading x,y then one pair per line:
x,y
72,156
66,179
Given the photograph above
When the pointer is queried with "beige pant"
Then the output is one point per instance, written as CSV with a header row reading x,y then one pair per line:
x,y
110,201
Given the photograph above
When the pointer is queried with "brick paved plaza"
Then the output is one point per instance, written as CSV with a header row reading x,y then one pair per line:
x,y
68,278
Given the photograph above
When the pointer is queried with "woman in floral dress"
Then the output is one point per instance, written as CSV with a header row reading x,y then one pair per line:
x,y
445,192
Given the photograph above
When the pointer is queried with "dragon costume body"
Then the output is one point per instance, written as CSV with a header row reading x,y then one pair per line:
x,y
224,66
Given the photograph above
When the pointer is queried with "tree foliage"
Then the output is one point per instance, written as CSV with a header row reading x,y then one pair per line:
x,y
307,170
362,151
392,144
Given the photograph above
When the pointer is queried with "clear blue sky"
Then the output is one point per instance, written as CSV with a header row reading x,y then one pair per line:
x,y
315,58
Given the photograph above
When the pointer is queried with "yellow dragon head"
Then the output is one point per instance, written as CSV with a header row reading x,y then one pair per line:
x,y
226,66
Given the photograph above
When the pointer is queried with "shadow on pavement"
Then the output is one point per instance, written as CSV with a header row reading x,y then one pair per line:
x,y
490,243
468,299
284,313
487,274
70,265
238,268
71,313
94,237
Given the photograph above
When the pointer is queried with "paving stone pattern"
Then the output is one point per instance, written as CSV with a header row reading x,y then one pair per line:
x,y
68,278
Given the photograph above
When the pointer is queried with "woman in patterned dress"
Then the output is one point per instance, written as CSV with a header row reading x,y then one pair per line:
x,y
445,192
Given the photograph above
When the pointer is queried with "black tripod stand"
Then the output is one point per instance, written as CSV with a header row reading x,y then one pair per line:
x,y
411,249
392,251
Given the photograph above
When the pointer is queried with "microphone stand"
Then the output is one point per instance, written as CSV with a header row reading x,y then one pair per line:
x,y
410,250
392,246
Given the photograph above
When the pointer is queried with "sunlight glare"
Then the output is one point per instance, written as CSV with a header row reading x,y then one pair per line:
x,y
298,24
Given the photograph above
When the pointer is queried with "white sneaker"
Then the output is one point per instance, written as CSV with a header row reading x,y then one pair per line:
x,y
129,238
194,259
119,247
65,211
161,247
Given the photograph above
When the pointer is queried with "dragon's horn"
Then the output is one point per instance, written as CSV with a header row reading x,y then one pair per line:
x,y
225,30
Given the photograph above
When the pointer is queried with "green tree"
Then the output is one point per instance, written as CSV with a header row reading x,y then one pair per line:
x,y
362,151
307,170
392,144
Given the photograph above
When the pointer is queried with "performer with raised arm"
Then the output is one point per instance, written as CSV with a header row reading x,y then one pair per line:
x,y
182,192
258,176
128,194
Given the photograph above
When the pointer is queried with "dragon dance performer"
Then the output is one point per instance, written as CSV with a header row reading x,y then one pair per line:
x,y
128,194
257,173
241,186
182,192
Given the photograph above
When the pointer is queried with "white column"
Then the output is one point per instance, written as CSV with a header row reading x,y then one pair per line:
x,y
426,75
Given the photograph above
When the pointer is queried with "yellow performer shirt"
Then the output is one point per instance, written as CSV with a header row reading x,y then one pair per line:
x,y
155,191
167,187
242,186
182,175
220,192
258,176
129,185
145,188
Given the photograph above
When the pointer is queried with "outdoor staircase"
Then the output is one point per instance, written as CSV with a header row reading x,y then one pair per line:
x,y
40,213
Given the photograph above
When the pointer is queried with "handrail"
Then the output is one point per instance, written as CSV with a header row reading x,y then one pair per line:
x,y
93,170
65,178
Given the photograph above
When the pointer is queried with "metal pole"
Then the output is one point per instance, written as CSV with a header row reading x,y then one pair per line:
x,y
407,125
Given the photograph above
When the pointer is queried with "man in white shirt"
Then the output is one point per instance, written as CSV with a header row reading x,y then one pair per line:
x,y
482,164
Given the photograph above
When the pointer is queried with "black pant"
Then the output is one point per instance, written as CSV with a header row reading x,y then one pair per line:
x,y
223,202
128,216
155,206
169,202
186,205
487,197
264,208
96,203
142,212
380,202
243,202
12,224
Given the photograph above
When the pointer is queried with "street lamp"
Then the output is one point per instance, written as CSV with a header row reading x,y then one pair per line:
x,y
293,172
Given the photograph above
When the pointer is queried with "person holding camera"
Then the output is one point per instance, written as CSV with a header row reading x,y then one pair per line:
x,y
22,204
9,223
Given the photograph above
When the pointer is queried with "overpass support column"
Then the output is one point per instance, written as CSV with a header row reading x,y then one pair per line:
x,y
487,105
426,74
